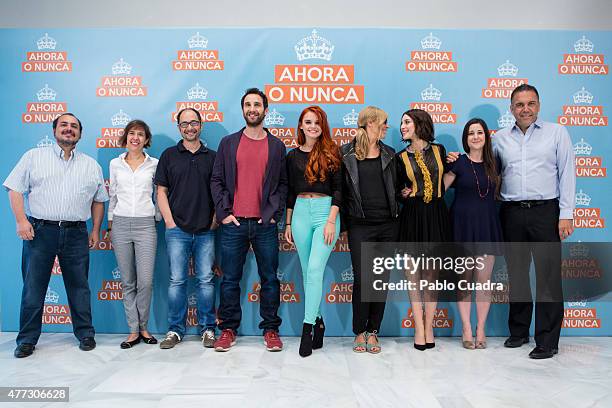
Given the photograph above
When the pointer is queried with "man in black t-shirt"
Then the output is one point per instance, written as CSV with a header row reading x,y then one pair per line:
x,y
183,193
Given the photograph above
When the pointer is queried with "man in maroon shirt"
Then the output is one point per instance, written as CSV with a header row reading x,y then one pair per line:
x,y
249,188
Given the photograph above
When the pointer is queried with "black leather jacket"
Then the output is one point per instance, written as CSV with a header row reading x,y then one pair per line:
x,y
351,198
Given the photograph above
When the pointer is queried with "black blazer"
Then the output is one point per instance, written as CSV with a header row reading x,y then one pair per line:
x,y
223,179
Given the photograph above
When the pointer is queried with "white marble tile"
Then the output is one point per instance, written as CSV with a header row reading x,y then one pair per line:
x,y
249,376
372,392
138,377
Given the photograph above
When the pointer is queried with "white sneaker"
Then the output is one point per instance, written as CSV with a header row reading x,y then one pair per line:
x,y
171,340
208,338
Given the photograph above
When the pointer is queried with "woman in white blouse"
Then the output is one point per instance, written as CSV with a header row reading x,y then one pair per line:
x,y
131,217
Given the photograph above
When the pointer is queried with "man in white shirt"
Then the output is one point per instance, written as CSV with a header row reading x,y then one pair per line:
x,y
53,191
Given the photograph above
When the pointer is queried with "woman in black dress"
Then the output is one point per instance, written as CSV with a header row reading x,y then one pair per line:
x,y
424,216
474,218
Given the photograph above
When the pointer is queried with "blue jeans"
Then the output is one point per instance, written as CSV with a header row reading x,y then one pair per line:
x,y
181,246
70,245
235,243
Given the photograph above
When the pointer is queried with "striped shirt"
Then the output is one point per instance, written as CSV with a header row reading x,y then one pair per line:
x,y
411,175
56,189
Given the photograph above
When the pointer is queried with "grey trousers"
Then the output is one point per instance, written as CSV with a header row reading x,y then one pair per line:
x,y
135,243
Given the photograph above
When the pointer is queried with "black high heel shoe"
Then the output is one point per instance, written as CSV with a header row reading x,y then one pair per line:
x,y
318,333
306,340
129,344
420,347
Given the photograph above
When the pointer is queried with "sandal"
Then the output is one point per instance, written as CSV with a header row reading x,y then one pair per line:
x,y
468,344
360,346
373,348
480,344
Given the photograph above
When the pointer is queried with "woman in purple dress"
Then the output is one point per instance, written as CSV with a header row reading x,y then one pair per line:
x,y
474,218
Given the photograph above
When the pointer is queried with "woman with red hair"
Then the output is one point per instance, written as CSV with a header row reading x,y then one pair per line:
x,y
313,223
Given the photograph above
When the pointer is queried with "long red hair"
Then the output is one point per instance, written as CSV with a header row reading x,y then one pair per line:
x,y
325,155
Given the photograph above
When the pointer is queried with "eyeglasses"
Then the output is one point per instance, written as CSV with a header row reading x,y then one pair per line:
x,y
193,123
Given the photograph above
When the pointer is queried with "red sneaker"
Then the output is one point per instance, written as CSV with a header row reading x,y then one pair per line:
x,y
225,341
272,341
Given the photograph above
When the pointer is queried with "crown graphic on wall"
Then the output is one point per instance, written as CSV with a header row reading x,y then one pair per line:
x,y
431,42
583,96
46,94
583,198
579,250
197,41
274,118
347,275
583,148
583,45
577,300
507,69
501,274
314,47
431,94
51,296
505,120
116,273
350,119
121,68
46,43
192,300
197,92
45,142
120,118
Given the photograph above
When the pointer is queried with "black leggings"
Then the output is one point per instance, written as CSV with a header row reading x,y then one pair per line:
x,y
367,316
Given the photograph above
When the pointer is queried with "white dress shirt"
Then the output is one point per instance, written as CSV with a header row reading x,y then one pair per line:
x,y
537,165
132,192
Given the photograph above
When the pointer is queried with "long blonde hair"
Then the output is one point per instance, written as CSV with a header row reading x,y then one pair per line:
x,y
367,115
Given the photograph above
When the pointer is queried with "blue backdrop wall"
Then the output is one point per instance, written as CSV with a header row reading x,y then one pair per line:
x,y
107,77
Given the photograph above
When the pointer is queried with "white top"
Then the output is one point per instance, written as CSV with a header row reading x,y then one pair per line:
x,y
56,189
131,192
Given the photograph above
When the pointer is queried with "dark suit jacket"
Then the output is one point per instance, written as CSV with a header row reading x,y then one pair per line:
x,y
223,180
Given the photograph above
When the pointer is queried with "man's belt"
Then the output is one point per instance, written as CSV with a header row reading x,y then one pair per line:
x,y
62,224
248,218
529,203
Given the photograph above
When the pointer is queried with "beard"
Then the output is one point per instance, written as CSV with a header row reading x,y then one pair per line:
x,y
66,142
190,137
253,122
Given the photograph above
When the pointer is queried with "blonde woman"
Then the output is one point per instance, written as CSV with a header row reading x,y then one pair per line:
x,y
370,210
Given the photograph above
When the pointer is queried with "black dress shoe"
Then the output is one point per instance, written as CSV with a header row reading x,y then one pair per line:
x,y
514,342
148,340
541,352
318,332
129,344
430,345
24,350
87,344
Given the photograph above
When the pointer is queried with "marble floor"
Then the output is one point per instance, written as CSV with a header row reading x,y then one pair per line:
x,y
248,376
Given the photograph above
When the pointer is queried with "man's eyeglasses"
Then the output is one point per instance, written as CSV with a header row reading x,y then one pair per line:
x,y
193,123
